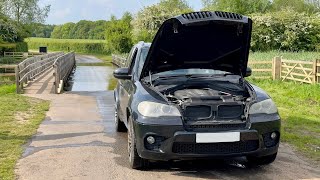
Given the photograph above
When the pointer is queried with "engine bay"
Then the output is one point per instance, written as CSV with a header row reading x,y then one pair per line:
x,y
208,102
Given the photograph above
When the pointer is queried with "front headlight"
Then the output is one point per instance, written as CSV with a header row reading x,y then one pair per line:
x,y
152,109
263,107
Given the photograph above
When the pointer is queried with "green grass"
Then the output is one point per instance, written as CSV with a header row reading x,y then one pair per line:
x,y
299,107
268,56
65,45
112,83
63,40
20,117
7,80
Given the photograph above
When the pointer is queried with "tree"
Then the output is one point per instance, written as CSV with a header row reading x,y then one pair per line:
x,y
25,11
42,30
9,32
118,34
97,30
295,5
148,20
81,30
238,6
315,3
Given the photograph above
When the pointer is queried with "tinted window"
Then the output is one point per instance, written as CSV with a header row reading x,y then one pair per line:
x,y
142,59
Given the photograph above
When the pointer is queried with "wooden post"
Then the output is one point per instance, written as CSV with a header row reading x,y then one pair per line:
x,y
276,68
314,72
25,55
17,79
317,71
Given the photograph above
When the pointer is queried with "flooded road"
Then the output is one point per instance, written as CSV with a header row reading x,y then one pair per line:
x,y
87,59
78,140
91,78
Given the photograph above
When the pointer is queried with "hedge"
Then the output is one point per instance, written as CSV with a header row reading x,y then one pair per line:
x,y
286,31
22,47
13,47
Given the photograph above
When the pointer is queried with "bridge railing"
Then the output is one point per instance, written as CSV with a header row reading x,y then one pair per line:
x,y
118,60
63,67
30,68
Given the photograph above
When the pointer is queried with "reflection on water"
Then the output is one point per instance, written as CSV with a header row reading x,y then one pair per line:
x,y
90,79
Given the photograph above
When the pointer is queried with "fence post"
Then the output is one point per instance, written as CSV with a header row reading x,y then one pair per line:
x,y
17,79
276,68
316,71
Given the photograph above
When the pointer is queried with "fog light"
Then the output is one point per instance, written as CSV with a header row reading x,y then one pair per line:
x,y
273,135
151,140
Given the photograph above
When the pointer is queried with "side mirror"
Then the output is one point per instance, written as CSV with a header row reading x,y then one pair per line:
x,y
122,73
249,72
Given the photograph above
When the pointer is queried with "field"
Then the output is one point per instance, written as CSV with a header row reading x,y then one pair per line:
x,y
67,45
20,117
268,56
299,106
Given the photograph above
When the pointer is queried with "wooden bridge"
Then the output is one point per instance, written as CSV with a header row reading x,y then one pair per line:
x,y
44,74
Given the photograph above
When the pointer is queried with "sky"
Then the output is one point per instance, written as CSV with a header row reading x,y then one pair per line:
x,y
63,11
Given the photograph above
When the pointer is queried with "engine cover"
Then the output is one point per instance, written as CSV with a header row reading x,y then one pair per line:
x,y
195,93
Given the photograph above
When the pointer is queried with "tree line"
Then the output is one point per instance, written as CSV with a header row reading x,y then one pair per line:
x,y
288,25
81,30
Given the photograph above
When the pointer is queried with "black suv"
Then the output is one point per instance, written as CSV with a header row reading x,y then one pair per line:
x,y
185,97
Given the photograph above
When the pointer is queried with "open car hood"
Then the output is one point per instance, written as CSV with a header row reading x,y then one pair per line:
x,y
205,40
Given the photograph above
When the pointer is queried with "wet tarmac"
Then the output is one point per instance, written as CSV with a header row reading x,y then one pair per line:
x,y
78,140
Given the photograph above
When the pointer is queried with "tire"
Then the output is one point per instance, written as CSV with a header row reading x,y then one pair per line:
x,y
136,162
263,160
120,126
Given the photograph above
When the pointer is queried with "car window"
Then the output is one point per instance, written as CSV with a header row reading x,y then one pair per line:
x,y
132,60
142,59
129,58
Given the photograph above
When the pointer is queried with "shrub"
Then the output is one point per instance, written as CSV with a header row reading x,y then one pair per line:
x,y
285,30
9,60
9,47
118,34
21,47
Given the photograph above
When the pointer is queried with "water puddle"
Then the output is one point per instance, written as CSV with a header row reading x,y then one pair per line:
x,y
90,79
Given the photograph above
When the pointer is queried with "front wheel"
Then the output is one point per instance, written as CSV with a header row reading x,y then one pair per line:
x,y
263,160
136,162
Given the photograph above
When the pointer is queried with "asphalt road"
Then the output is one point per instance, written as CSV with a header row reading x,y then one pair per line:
x,y
78,140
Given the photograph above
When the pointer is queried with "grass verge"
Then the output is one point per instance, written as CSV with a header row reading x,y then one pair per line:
x,y
20,117
266,56
112,83
299,106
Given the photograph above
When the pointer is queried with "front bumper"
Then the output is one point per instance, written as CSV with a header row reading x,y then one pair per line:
x,y
173,142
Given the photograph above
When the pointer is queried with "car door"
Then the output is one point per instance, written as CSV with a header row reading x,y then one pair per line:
x,y
126,85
